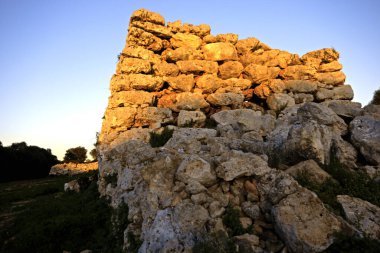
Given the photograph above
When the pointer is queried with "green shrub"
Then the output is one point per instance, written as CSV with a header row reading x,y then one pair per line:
x,y
232,222
216,243
159,139
376,98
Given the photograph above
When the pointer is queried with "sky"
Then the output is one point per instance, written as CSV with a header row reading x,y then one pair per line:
x,y
57,57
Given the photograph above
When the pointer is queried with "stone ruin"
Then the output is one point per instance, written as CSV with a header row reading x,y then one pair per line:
x,y
246,119
169,74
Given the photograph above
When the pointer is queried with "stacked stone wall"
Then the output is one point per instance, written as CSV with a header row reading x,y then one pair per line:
x,y
175,74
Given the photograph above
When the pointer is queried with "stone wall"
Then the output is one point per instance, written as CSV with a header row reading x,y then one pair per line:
x,y
72,168
180,74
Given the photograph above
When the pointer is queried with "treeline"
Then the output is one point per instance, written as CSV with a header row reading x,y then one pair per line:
x,y
20,161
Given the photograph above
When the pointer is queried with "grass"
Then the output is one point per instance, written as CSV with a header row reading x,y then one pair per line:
x,y
53,220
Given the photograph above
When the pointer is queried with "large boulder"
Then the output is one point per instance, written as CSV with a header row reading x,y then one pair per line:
x,y
198,66
361,214
219,51
309,168
365,136
304,223
259,73
186,40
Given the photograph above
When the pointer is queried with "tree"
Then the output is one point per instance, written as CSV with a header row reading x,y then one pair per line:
x,y
76,155
94,154
376,98
20,161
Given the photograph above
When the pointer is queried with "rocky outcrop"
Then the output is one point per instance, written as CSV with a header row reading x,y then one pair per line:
x,y
265,110
72,168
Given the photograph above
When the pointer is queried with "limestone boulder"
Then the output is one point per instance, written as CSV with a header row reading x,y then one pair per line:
x,y
132,97
209,83
301,98
226,37
298,72
266,88
230,69
344,108
190,101
182,54
361,214
186,40
258,73
331,78
279,101
139,37
158,30
181,82
141,53
72,168
345,153
194,168
326,55
270,58
236,164
73,185
133,66
220,99
248,45
191,118
343,92
145,82
309,168
198,67
165,69
322,115
330,67
199,30
301,86
303,223
149,16
242,84
219,51
246,120
365,136
153,116
119,118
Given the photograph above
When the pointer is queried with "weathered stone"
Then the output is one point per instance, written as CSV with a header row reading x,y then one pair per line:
x,y
209,83
72,168
266,88
270,58
141,53
150,116
181,82
298,72
301,86
230,69
215,209
246,120
239,164
330,67
220,99
343,108
186,40
145,82
247,45
279,101
199,30
247,242
133,66
219,51
337,93
138,37
301,98
120,117
126,98
326,55
197,67
190,101
365,136
191,118
157,30
194,168
251,210
182,54
304,223
361,214
331,78
145,15
165,69
310,169
259,73
345,153
73,185
242,84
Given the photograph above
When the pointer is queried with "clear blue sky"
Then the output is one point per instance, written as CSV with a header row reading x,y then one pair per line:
x,y
57,56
